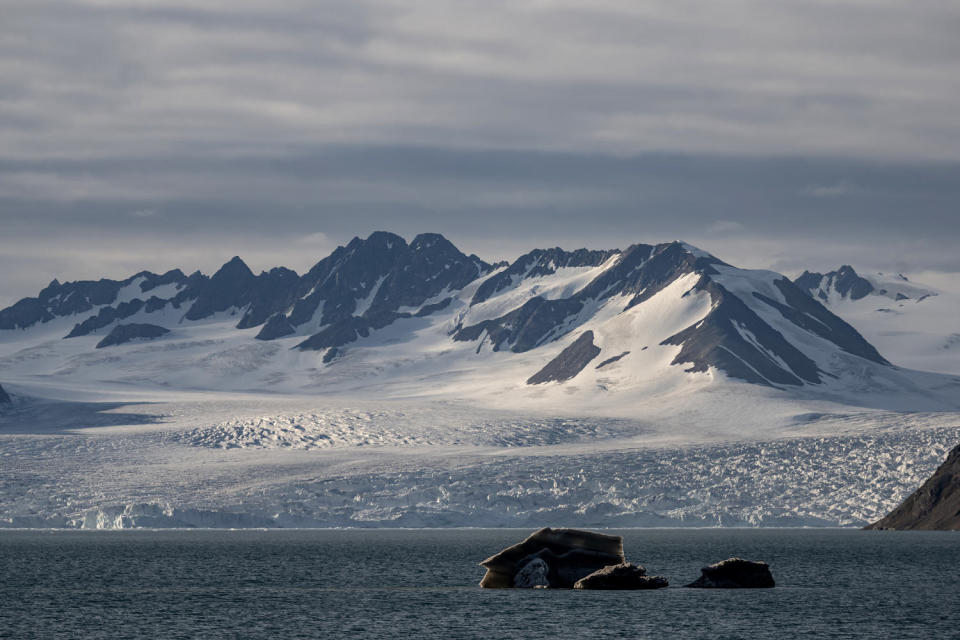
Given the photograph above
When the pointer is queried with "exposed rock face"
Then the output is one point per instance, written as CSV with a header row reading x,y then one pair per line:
x,y
105,317
123,333
57,300
735,573
362,286
844,280
231,283
615,358
539,262
4,398
569,362
934,506
621,576
556,558
276,327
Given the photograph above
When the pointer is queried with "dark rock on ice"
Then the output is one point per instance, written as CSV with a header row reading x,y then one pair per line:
x,y
276,327
123,333
621,576
105,317
734,573
934,506
4,398
555,558
615,359
568,362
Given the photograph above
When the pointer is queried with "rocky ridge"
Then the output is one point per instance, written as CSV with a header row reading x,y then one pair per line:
x,y
934,506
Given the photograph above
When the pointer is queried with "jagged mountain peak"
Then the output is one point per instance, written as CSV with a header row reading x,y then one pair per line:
x,y
233,268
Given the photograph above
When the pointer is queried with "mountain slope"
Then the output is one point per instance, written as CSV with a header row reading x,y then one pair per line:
x,y
935,505
912,323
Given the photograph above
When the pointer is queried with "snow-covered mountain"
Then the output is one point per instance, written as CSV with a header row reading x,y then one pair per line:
x,y
383,312
425,318
913,324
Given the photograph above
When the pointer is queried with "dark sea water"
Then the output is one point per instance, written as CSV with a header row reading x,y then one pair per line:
x,y
422,584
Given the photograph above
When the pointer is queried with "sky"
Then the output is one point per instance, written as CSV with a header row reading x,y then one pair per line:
x,y
785,135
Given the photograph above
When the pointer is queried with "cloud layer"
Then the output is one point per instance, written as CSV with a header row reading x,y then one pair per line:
x,y
502,124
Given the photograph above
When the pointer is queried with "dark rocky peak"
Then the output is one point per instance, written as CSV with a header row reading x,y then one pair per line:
x,y
382,240
809,281
380,274
432,242
227,288
4,398
152,281
233,270
845,281
849,284
432,265
347,275
69,298
360,294
191,288
50,290
270,292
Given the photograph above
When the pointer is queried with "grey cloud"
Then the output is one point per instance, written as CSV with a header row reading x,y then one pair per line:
x,y
744,77
828,131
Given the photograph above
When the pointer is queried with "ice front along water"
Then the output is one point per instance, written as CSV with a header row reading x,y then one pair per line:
x,y
423,584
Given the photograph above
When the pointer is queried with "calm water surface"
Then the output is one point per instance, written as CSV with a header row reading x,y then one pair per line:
x,y
422,584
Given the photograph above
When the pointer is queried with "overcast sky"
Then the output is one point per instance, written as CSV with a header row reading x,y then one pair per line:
x,y
804,133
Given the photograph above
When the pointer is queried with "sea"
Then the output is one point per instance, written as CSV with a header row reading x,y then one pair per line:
x,y
379,583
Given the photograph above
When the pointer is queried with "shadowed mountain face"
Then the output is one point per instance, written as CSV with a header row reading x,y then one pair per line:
x,y
570,362
846,284
75,298
845,281
124,333
934,506
758,326
4,398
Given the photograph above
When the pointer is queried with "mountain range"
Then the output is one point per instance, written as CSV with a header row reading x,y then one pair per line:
x,y
384,312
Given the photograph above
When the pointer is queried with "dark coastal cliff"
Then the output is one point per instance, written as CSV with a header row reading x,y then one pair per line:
x,y
934,506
